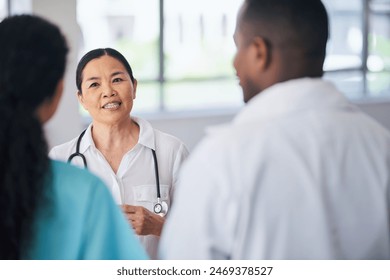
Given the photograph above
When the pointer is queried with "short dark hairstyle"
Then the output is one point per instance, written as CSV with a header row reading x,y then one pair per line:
x,y
96,53
300,24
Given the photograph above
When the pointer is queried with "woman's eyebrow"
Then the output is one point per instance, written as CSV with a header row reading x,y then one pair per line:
x,y
112,75
92,79
117,73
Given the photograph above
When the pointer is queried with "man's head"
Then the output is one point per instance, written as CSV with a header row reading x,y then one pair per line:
x,y
279,40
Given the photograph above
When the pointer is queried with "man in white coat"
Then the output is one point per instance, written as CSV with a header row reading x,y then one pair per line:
x,y
300,173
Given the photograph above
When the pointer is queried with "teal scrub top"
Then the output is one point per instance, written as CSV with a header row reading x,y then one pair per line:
x,y
81,221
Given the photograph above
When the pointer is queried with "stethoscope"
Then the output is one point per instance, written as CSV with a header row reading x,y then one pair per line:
x,y
160,207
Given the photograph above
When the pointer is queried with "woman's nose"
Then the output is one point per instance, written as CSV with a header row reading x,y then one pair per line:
x,y
108,91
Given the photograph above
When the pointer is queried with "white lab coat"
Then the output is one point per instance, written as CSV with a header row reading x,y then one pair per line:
x,y
299,174
135,181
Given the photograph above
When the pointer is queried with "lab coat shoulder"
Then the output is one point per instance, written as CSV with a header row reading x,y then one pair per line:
x,y
377,128
222,148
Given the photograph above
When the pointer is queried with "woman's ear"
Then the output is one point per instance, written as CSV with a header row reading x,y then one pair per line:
x,y
81,99
135,88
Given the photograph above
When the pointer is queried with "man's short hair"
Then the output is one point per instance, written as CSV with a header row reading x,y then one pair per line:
x,y
300,24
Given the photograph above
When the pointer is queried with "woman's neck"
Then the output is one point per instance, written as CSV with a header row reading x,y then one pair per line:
x,y
120,137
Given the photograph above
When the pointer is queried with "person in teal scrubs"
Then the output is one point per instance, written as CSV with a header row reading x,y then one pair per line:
x,y
48,209
81,221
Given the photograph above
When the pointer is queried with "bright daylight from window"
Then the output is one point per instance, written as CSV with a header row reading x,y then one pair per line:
x,y
198,49
192,69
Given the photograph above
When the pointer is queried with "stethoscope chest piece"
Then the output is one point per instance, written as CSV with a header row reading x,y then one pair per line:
x,y
160,208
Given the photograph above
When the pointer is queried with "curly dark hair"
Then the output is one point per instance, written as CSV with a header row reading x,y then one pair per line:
x,y
32,62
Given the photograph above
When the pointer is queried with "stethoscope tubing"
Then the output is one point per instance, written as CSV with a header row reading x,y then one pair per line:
x,y
78,154
156,174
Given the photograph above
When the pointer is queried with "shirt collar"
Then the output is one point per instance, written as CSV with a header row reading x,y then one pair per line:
x,y
146,135
291,96
87,140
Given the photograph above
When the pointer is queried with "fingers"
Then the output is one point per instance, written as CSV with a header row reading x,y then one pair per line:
x,y
131,209
133,213
142,220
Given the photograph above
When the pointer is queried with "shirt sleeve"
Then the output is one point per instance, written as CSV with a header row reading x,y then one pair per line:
x,y
108,235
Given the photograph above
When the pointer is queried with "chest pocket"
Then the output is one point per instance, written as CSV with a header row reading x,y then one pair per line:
x,y
146,195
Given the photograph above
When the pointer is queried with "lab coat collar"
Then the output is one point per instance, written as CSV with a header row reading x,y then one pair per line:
x,y
291,96
146,135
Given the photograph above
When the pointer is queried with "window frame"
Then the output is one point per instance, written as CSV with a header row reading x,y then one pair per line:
x,y
366,14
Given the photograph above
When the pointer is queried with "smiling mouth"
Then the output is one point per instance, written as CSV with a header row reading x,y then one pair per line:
x,y
112,105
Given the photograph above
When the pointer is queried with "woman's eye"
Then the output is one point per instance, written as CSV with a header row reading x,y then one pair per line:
x,y
117,80
93,85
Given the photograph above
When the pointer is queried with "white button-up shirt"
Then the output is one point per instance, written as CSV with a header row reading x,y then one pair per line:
x,y
135,181
299,174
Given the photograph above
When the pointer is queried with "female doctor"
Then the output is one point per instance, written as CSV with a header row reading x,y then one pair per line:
x,y
139,164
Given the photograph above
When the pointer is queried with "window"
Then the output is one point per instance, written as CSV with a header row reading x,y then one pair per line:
x,y
344,60
190,68
198,53
20,6
358,56
378,60
3,9
182,51
131,27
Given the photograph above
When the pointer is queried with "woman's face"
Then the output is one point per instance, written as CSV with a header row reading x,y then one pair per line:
x,y
107,90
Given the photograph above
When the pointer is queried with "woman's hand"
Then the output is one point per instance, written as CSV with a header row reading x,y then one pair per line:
x,y
142,220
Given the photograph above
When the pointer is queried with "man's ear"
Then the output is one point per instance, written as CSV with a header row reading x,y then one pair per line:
x,y
262,52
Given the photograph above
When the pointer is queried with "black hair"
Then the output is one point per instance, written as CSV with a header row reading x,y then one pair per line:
x,y
291,24
32,63
96,53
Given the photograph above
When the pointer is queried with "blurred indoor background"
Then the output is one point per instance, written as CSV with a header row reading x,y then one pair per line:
x,y
181,53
